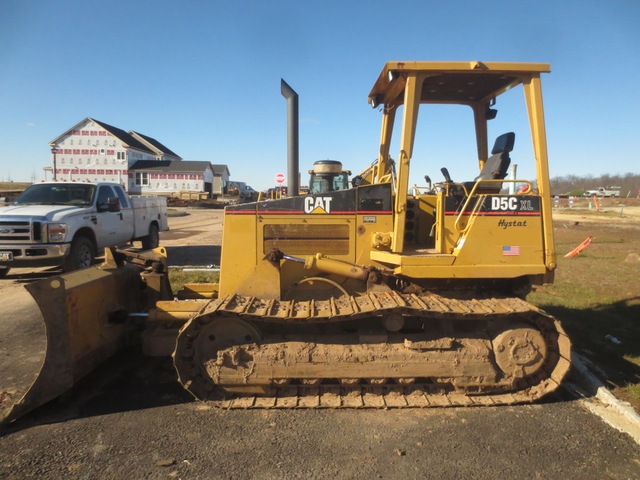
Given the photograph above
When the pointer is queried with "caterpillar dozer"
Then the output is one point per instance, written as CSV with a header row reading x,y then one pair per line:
x,y
380,295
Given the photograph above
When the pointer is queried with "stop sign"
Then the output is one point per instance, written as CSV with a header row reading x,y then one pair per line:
x,y
280,178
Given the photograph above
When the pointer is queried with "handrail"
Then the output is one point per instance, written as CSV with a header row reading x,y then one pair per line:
x,y
478,204
428,190
476,207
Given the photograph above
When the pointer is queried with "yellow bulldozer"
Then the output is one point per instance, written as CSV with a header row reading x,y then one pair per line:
x,y
381,295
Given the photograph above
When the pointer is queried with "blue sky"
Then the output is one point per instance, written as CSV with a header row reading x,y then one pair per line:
x,y
203,77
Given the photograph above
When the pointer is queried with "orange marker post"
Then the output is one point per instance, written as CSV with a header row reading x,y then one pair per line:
x,y
580,247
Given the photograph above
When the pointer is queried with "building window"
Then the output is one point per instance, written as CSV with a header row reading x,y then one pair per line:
x,y
121,155
142,178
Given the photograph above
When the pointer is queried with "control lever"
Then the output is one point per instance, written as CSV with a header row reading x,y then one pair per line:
x,y
446,175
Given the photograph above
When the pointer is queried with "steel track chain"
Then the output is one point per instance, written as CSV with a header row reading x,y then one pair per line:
x,y
376,396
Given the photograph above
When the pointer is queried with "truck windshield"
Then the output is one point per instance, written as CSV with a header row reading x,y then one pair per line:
x,y
57,194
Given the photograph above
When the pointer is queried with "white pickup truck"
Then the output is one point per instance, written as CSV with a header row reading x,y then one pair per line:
x,y
603,192
68,223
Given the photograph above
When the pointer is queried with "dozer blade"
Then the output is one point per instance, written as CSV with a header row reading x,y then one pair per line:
x,y
86,319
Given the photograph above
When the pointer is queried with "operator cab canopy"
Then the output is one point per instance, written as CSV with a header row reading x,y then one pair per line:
x,y
466,83
475,84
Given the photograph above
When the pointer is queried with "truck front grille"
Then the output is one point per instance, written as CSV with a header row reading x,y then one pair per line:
x,y
12,231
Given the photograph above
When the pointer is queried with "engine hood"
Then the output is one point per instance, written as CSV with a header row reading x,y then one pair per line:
x,y
48,212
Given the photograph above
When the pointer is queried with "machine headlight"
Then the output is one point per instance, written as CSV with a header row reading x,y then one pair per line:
x,y
56,232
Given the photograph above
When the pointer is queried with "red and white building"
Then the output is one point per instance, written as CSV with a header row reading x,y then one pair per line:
x,y
98,152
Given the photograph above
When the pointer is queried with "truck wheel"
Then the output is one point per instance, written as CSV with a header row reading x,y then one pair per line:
x,y
81,255
4,271
153,239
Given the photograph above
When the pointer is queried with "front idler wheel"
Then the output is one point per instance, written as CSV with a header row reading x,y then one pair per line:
x,y
206,346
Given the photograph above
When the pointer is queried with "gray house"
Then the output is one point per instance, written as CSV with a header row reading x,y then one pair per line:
x,y
166,177
220,179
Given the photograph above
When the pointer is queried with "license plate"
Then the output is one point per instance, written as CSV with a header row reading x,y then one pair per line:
x,y
6,256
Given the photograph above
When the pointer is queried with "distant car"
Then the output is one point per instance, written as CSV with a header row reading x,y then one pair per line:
x,y
603,192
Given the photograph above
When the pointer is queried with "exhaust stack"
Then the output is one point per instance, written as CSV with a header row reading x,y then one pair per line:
x,y
512,176
293,156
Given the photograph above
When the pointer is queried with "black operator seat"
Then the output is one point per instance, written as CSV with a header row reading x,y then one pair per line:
x,y
495,168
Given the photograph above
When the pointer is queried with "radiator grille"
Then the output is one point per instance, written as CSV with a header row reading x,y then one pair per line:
x,y
20,231
307,239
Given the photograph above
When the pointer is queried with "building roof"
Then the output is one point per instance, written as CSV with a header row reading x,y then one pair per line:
x,y
220,169
170,166
142,143
153,144
123,136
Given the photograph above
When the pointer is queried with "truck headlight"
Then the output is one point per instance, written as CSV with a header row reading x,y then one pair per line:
x,y
56,232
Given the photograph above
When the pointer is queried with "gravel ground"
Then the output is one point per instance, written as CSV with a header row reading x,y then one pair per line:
x,y
189,440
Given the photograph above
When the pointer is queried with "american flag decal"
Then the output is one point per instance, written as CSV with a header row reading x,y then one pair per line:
x,y
510,250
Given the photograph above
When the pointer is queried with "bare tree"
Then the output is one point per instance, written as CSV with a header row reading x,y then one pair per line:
x,y
629,184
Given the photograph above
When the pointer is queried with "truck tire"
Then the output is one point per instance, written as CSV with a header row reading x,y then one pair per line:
x,y
4,271
82,254
153,239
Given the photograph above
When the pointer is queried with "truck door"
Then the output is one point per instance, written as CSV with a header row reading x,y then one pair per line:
x,y
114,222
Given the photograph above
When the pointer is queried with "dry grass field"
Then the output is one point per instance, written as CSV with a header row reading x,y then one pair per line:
x,y
12,187
596,294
